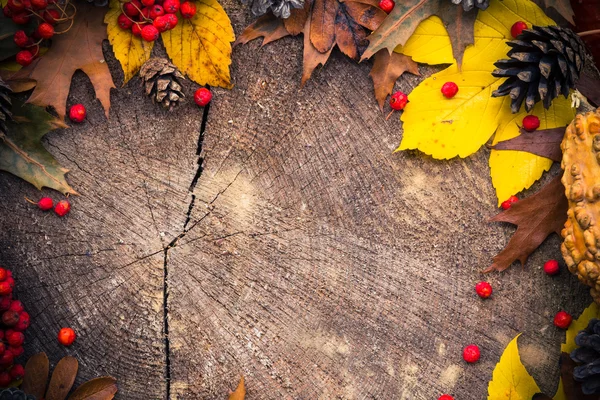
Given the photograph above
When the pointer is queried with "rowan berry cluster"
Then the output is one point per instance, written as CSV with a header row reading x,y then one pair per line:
x,y
48,14
149,18
15,320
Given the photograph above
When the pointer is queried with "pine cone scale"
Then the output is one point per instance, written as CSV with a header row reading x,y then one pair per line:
x,y
161,81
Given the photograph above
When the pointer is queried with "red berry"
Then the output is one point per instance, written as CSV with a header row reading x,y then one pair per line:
x,y
5,302
21,18
21,39
202,96
7,12
16,5
15,339
517,28
449,89
551,267
387,5
398,101
145,15
188,10
531,123
471,353
562,320
45,203
150,33
39,4
172,20
162,23
23,323
171,6
45,30
483,289
51,16
15,350
77,113
156,11
5,288
10,280
124,22
17,306
7,358
17,372
2,345
506,205
445,397
136,29
3,274
132,9
10,318
5,379
147,3
66,336
62,208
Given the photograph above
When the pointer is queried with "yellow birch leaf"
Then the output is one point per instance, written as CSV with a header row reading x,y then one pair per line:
x,y
201,47
510,379
429,44
446,128
132,52
513,171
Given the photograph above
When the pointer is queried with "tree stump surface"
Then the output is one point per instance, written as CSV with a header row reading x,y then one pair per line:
x,y
296,249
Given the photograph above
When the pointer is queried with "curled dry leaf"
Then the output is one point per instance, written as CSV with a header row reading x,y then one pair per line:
x,y
36,375
62,379
240,391
102,388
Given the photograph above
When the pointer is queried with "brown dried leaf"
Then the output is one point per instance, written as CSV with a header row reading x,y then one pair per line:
x,y
460,25
295,23
269,27
102,388
36,375
240,392
366,15
536,217
62,379
544,143
312,57
386,70
563,7
322,26
589,86
53,71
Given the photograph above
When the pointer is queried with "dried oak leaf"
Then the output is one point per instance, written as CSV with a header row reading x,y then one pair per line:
x,y
240,391
387,68
536,217
79,48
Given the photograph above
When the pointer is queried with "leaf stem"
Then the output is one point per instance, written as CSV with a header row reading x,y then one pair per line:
x,y
589,33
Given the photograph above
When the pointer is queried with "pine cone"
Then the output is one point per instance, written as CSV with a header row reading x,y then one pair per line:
x,y
544,62
468,4
15,394
5,105
161,80
280,8
581,156
588,354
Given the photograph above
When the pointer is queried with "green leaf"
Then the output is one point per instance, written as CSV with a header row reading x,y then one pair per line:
x,y
22,153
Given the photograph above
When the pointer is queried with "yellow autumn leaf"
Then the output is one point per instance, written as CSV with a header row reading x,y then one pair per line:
x,y
510,379
132,52
429,44
201,47
513,171
446,128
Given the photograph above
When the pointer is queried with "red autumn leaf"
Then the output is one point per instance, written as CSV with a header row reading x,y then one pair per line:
x,y
536,217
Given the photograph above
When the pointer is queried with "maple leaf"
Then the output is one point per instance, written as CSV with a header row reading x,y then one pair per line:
x,y
22,153
387,68
79,48
536,217
240,391
267,27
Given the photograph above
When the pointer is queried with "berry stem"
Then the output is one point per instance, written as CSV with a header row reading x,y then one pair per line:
x,y
589,33
29,200
389,115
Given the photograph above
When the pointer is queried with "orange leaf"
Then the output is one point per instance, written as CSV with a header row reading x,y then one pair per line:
x,y
102,388
322,26
386,70
62,379
269,27
240,392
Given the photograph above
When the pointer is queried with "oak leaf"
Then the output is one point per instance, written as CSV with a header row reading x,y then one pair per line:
x,y
267,27
387,68
240,391
53,71
536,217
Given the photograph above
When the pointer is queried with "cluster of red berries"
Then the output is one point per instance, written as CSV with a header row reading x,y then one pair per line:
x,y
48,13
61,208
148,18
15,321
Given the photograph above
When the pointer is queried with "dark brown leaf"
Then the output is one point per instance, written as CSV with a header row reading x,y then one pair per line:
x,y
589,86
544,143
240,391
295,23
269,27
103,388
571,388
351,38
365,15
536,217
312,57
386,70
563,7
322,26
541,396
587,18
62,379
460,25
36,375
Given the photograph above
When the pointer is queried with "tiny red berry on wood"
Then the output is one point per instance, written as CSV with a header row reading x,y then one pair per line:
x,y
506,204
398,101
202,96
124,22
5,379
66,336
150,33
156,11
531,123
562,320
17,372
387,5
449,89
188,10
551,267
23,323
471,353
171,6
21,39
45,30
483,289
445,397
51,16
24,58
15,339
62,208
132,9
517,28
77,113
10,318
45,204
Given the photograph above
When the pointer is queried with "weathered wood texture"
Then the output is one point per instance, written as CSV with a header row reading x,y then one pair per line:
x,y
315,262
